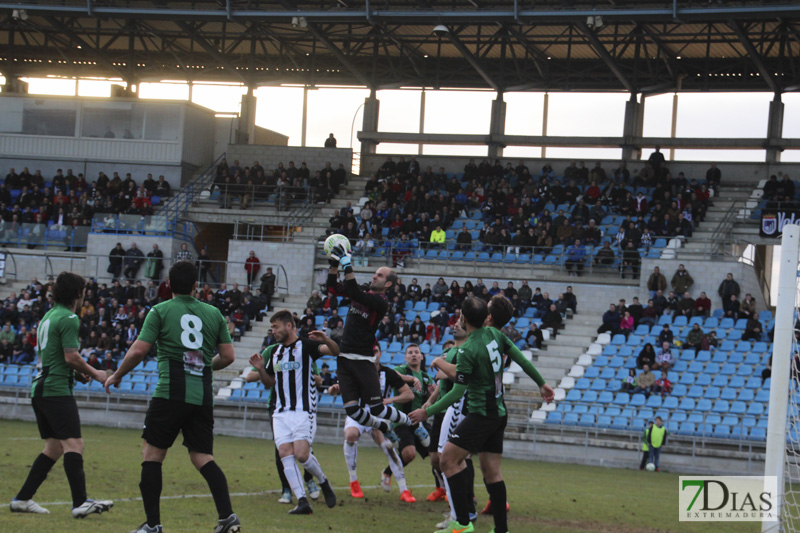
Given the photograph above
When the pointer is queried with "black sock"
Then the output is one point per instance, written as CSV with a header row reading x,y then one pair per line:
x,y
388,470
73,466
458,492
279,466
497,493
471,485
150,487
219,488
436,477
307,476
39,469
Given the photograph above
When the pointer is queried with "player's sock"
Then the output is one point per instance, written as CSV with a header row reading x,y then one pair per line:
x,y
39,469
351,458
363,416
279,466
307,476
458,495
471,485
392,414
437,477
395,465
219,488
73,466
313,466
150,487
292,474
497,493
449,497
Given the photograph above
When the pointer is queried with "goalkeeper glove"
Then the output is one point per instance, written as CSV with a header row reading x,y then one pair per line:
x,y
343,257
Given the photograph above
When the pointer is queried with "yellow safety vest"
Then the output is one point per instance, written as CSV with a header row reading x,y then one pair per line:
x,y
645,447
657,436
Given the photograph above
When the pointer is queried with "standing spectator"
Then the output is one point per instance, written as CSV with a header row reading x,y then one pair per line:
x,y
656,160
115,257
154,264
252,265
681,281
576,255
713,177
184,254
203,264
727,287
656,282
133,260
630,260
645,382
663,385
330,142
656,438
268,285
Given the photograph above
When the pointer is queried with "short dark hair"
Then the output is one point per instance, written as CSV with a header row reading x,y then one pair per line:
x,y
68,288
501,310
474,311
411,345
282,315
448,344
392,277
182,277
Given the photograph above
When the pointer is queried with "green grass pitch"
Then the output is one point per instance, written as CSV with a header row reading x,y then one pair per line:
x,y
544,497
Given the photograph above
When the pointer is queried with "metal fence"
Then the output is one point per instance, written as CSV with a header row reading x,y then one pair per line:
x,y
30,235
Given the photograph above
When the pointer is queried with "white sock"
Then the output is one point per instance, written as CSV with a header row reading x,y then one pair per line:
x,y
351,458
395,464
312,465
292,474
446,486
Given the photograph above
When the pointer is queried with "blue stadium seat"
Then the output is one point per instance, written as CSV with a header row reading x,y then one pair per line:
x,y
605,397
622,398
589,396
726,323
711,393
695,391
738,408
686,428
553,417
739,432
703,380
741,324
574,395
637,400
758,434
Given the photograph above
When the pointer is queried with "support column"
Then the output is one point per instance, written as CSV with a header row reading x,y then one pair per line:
x,y
545,111
370,122
15,85
774,129
421,118
632,129
497,126
247,118
304,126
674,128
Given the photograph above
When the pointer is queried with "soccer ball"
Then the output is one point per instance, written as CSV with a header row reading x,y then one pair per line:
x,y
650,467
335,240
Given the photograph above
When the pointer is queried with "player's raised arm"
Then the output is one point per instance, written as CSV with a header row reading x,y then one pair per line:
x,y
516,355
329,346
135,355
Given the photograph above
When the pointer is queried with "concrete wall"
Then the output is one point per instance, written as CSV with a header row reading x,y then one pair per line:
x,y
296,259
747,173
91,169
270,156
707,276
198,136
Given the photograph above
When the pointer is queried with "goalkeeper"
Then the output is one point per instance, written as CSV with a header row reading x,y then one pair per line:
x,y
358,376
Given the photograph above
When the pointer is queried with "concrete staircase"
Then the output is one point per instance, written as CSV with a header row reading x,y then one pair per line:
x,y
715,214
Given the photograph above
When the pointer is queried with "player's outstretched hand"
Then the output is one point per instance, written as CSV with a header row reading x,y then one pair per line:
x,y
547,392
257,361
341,255
418,416
318,336
112,381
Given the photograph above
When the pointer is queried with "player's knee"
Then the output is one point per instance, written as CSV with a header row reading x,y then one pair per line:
x,y
351,410
72,446
351,436
301,455
199,460
408,453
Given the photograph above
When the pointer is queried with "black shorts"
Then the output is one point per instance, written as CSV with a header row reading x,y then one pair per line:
x,y
436,429
477,433
57,417
358,380
407,438
166,418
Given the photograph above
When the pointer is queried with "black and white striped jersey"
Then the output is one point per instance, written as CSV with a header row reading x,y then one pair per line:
x,y
295,388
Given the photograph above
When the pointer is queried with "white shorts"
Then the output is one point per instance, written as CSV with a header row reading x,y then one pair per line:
x,y
350,423
452,418
291,426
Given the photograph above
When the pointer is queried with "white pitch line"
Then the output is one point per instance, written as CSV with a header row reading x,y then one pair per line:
x,y
233,494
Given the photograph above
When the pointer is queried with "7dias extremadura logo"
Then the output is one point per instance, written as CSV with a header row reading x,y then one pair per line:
x,y
727,498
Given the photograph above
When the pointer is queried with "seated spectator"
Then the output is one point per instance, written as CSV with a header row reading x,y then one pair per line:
x,y
663,385
665,335
401,331
314,302
636,309
511,332
605,256
464,240
576,255
647,356
108,364
94,362
702,305
631,260
22,354
645,382
630,381
747,307
417,331
731,307
694,339
753,330
671,308
626,324
611,320
664,359
438,237
534,338
686,305
328,379
552,319
713,341
767,372
385,329
660,302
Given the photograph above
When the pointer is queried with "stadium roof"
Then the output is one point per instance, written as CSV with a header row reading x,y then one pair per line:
x,y
508,45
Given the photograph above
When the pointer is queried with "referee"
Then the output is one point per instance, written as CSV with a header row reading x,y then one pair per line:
x,y
188,332
356,370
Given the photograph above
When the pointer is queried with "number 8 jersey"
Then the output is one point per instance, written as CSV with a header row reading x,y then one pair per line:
x,y
186,332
